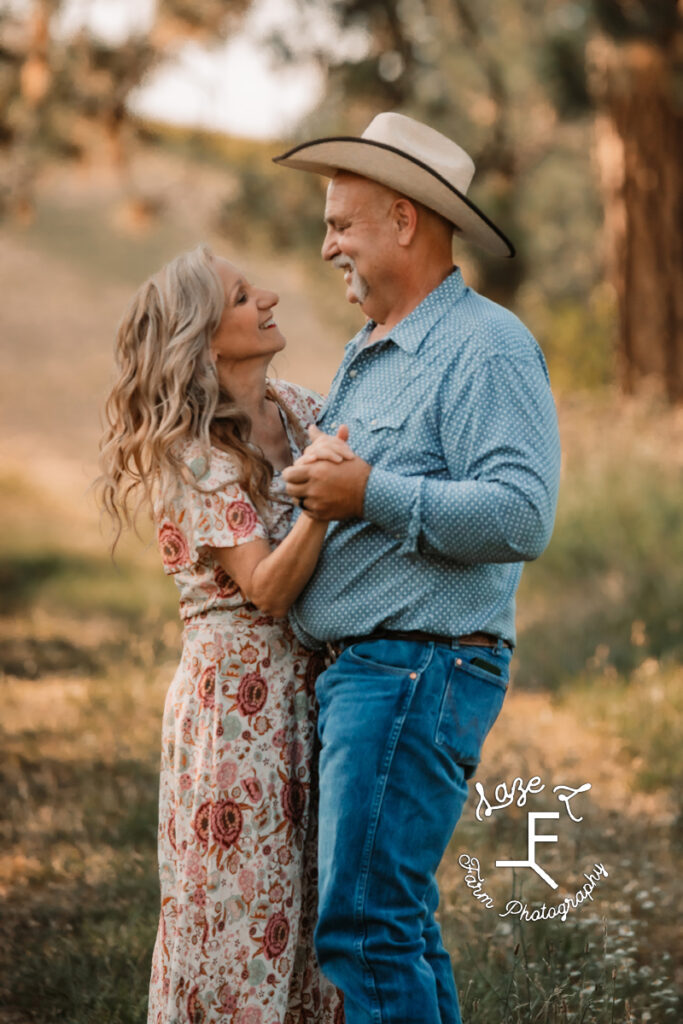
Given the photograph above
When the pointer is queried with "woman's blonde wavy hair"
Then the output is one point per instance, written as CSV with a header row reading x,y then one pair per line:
x,y
168,392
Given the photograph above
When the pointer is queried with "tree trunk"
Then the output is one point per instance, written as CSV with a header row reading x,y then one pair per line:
x,y
34,85
639,150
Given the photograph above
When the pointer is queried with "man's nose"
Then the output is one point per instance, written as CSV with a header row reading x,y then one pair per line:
x,y
329,249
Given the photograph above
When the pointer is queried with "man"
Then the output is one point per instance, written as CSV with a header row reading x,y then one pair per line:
x,y
451,487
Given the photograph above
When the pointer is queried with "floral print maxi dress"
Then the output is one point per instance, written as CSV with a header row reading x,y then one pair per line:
x,y
237,821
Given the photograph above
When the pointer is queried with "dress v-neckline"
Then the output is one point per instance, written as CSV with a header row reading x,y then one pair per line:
x,y
294,449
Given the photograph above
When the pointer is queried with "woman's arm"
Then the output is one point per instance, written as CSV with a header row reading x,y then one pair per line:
x,y
272,580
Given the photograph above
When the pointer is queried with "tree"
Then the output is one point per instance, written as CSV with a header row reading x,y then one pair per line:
x,y
473,70
631,77
443,61
634,75
66,96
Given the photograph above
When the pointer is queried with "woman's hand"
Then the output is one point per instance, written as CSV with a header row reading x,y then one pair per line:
x,y
331,448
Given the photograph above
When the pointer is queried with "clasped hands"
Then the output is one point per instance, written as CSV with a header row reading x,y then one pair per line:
x,y
329,477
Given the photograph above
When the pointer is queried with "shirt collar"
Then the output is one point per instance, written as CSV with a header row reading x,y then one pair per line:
x,y
410,332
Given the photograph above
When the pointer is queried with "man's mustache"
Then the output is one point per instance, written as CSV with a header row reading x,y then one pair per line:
x,y
343,262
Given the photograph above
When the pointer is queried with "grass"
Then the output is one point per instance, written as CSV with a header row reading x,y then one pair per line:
x,y
87,650
606,593
79,830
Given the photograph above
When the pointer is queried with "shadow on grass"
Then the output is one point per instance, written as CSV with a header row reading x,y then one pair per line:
x,y
116,803
76,941
23,575
81,953
31,657
79,583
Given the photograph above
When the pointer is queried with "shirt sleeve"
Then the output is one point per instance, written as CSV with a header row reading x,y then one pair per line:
x,y
198,519
500,442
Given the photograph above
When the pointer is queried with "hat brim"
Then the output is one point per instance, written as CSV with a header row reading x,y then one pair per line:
x,y
406,174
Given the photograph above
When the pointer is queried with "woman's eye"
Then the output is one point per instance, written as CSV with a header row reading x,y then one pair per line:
x,y
242,297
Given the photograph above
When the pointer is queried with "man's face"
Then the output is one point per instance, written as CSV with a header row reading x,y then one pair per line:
x,y
359,237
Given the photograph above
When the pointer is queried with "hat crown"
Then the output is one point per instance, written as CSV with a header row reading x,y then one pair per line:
x,y
425,144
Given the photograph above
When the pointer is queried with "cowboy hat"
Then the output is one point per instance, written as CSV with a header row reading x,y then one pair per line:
x,y
413,159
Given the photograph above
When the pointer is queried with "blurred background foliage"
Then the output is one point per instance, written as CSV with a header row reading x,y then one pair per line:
x,y
572,112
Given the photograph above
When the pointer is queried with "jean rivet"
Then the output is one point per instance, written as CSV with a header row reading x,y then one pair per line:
x,y
413,675
458,661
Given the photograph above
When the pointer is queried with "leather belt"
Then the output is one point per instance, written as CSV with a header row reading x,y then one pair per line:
x,y
416,635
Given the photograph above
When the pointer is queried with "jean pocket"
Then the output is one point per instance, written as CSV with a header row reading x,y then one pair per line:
x,y
472,700
396,657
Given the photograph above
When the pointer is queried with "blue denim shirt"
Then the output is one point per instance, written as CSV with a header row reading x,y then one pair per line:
x,y
454,413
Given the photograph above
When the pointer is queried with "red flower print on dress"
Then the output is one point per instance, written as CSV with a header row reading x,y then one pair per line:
x,y
194,867
295,752
226,823
275,936
201,823
249,654
227,1000
238,884
276,893
206,687
226,773
249,1015
253,789
225,584
173,544
294,801
170,831
251,693
247,881
195,1011
241,518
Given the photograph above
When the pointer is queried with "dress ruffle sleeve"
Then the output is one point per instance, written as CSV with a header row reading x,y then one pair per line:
x,y
218,513
304,403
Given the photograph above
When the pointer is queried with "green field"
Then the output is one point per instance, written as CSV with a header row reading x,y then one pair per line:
x,y
87,649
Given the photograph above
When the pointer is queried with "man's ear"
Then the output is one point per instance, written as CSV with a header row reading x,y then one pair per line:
x,y
405,220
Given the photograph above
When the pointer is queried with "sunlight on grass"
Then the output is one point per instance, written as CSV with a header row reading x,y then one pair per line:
x,y
88,649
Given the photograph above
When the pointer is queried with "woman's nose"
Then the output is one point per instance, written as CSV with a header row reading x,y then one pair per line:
x,y
268,299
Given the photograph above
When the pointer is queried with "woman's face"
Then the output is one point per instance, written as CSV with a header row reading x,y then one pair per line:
x,y
247,328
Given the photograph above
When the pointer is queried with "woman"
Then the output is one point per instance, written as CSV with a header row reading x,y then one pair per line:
x,y
199,431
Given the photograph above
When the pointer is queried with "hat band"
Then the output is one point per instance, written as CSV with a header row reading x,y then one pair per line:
x,y
406,156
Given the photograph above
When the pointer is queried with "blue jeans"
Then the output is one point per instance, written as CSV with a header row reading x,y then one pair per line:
x,y
401,725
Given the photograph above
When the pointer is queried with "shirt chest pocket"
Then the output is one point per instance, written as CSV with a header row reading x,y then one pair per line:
x,y
378,431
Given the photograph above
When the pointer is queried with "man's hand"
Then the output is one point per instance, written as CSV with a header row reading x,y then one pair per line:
x,y
332,490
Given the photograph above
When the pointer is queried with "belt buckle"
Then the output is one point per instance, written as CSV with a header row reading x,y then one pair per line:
x,y
333,651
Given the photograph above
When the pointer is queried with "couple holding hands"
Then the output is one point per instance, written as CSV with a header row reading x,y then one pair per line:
x,y
347,572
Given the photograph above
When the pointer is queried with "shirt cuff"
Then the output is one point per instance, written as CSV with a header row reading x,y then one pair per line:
x,y
393,502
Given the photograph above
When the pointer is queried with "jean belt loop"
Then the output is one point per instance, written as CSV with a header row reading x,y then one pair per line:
x,y
455,644
499,646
